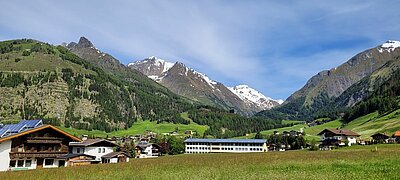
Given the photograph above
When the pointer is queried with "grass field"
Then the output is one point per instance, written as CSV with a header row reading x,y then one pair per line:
x,y
139,128
357,162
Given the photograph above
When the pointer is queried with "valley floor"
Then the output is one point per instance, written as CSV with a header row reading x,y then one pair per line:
x,y
357,162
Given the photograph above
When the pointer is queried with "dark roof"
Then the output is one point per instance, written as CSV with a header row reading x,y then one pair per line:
x,y
226,140
143,145
68,156
340,132
91,142
114,154
35,129
23,125
380,134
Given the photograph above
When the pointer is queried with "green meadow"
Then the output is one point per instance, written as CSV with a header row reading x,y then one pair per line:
x,y
139,128
356,162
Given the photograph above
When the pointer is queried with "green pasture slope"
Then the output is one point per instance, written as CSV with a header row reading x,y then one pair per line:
x,y
372,123
365,126
141,126
357,162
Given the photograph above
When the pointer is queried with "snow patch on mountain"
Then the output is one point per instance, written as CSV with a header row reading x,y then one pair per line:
x,y
389,46
245,92
205,78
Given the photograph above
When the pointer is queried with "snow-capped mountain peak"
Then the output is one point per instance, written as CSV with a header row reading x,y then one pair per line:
x,y
247,93
195,85
389,46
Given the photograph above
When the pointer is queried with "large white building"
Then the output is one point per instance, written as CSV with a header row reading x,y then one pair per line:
x,y
225,145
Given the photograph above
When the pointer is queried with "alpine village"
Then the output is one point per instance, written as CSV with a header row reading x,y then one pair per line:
x,y
73,111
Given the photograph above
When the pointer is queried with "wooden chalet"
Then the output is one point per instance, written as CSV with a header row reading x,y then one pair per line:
x,y
30,144
338,137
380,138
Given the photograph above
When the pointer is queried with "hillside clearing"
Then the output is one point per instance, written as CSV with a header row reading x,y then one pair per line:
x,y
139,128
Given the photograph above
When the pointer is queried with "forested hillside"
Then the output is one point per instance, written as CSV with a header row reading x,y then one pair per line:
x,y
225,125
38,80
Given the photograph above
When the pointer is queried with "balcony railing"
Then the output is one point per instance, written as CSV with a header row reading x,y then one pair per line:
x,y
42,154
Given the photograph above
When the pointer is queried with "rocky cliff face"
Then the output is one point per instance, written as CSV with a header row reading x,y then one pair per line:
x,y
197,86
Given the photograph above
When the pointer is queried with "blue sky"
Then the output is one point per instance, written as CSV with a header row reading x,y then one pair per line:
x,y
273,46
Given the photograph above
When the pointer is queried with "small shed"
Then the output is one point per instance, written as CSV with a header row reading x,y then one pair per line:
x,y
78,159
116,157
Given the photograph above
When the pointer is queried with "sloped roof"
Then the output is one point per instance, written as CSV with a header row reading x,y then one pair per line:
x,y
340,132
380,134
68,156
91,142
114,154
25,131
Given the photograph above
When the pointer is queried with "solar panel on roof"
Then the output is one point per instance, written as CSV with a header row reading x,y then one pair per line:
x,y
31,123
3,131
23,125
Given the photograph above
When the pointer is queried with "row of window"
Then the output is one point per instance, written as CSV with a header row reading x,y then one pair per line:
x,y
28,163
198,148
196,143
20,163
101,150
80,150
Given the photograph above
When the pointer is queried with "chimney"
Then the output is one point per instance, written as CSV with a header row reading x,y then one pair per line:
x,y
84,137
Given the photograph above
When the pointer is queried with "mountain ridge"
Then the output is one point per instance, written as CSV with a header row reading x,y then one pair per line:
x,y
195,85
327,86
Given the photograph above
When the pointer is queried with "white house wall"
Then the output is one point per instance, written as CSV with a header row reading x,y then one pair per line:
x,y
94,151
5,148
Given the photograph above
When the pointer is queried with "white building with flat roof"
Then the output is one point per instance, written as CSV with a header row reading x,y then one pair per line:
x,y
194,145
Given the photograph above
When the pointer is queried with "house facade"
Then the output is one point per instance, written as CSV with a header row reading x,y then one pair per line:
x,y
147,150
115,157
380,138
30,144
195,145
338,137
90,151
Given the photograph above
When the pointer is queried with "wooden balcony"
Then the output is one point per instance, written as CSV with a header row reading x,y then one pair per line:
x,y
39,149
42,154
43,141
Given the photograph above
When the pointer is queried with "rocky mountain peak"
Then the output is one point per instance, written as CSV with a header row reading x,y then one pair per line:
x,y
84,42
